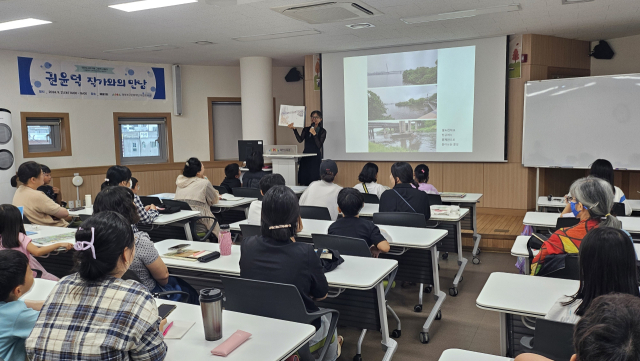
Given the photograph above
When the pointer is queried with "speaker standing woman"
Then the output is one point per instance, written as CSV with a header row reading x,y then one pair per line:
x,y
313,137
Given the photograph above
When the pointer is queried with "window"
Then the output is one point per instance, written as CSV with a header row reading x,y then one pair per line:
x,y
45,134
143,138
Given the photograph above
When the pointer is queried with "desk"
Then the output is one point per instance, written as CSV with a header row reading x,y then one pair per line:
x,y
455,354
420,265
548,220
285,165
48,231
634,203
555,205
162,219
264,344
519,249
513,294
356,273
470,200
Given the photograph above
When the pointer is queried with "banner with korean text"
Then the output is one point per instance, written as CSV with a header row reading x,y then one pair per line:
x,y
89,80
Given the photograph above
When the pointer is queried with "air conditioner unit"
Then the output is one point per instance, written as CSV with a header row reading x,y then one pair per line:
x,y
321,12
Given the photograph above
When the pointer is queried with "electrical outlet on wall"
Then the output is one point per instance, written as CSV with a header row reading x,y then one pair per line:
x,y
70,203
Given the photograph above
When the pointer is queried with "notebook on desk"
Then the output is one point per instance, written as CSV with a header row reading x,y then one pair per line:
x,y
186,254
452,195
59,238
230,197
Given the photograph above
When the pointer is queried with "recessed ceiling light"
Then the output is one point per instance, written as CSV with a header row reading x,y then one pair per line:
x,y
23,23
569,2
289,34
149,4
463,14
360,26
204,42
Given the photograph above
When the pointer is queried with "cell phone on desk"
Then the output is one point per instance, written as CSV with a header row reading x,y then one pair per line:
x,y
178,247
165,310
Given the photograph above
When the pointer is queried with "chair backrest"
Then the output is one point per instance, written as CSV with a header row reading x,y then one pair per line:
x,y
402,219
150,200
130,275
184,206
571,270
371,198
247,192
25,220
220,189
267,299
564,222
84,217
347,246
250,230
434,199
618,209
553,339
313,212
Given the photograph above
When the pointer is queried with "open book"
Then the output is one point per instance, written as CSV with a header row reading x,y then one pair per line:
x,y
230,197
186,254
452,195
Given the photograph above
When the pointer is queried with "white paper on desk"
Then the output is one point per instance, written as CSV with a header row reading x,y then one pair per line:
x,y
386,235
568,215
229,197
179,329
292,114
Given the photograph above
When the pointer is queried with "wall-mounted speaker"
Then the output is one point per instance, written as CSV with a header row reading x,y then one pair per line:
x,y
602,51
7,159
177,90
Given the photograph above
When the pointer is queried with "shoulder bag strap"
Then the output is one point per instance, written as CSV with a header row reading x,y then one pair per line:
x,y
364,186
401,197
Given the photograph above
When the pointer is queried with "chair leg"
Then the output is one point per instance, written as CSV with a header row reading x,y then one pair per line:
x,y
398,331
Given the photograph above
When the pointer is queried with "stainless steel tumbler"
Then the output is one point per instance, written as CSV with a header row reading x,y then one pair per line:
x,y
211,306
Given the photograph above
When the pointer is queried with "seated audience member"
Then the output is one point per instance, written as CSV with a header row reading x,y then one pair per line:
x,y
38,208
404,197
50,191
608,330
94,314
194,188
324,193
603,169
231,177
17,317
119,175
275,256
135,185
591,203
350,202
607,265
251,179
422,178
147,264
13,236
368,179
268,181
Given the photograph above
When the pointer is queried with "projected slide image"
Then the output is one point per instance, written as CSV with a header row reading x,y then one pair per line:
x,y
403,119
397,69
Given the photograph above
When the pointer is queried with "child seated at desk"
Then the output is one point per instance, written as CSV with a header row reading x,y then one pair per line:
x,y
17,317
607,265
404,197
350,202
13,236
251,179
231,177
135,185
50,191
422,178
119,175
268,181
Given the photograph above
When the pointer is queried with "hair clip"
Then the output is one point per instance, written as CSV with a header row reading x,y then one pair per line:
x,y
84,245
423,171
187,163
106,179
280,226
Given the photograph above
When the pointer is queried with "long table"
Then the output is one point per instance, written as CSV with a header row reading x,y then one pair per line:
x,y
513,295
470,201
356,273
548,220
264,344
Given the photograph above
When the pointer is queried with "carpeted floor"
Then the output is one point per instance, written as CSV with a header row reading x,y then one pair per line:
x,y
463,324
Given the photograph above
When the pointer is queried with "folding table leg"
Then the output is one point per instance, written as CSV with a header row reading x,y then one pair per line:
x,y
462,262
438,295
388,344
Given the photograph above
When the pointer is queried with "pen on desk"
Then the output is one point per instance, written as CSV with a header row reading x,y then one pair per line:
x,y
167,329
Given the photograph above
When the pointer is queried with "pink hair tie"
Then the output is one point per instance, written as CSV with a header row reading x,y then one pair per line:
x,y
423,171
84,245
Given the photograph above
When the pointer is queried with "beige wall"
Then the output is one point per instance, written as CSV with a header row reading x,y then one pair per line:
x,y
626,60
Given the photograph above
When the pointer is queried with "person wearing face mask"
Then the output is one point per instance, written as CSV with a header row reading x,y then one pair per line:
x,y
38,208
313,137
119,175
591,203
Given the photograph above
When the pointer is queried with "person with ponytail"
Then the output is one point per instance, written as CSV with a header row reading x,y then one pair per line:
x,y
404,197
422,178
275,256
194,188
119,175
94,314
590,200
38,208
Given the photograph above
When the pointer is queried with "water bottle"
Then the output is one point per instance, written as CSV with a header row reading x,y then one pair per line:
x,y
211,306
224,240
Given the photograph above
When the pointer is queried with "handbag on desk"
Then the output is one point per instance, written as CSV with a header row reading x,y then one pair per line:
x,y
169,210
329,258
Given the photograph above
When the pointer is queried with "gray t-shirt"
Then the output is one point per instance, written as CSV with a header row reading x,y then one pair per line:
x,y
146,254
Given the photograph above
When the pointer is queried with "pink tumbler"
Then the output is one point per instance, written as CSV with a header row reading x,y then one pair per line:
x,y
224,239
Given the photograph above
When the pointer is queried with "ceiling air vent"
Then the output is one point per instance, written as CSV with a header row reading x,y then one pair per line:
x,y
328,11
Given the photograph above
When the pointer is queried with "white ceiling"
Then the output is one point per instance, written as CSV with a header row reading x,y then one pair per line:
x,y
86,28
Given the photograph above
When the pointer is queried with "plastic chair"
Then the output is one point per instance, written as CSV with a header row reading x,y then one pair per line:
x,y
553,340
434,199
571,270
129,275
221,189
402,219
313,212
564,222
150,200
250,230
184,206
371,198
247,192
275,300
618,210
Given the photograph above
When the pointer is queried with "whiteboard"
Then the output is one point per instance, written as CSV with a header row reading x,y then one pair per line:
x,y
572,122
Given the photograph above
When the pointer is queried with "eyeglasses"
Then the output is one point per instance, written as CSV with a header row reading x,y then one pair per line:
x,y
316,118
